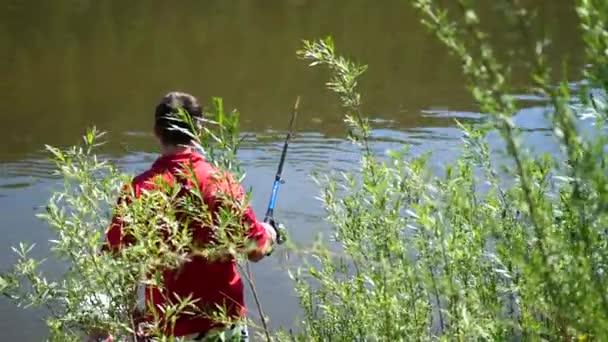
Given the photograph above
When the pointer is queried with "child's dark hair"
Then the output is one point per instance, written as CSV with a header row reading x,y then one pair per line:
x,y
167,119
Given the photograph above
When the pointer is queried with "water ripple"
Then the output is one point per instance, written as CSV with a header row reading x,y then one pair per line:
x,y
307,151
31,167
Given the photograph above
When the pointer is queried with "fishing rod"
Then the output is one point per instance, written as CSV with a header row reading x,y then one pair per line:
x,y
278,180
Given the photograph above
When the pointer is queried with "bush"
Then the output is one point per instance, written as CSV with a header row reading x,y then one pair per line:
x,y
481,252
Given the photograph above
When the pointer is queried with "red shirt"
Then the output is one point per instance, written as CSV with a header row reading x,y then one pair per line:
x,y
211,282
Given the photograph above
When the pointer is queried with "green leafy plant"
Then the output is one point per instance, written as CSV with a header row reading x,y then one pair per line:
x,y
480,252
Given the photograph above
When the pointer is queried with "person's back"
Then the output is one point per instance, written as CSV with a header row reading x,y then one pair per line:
x,y
211,283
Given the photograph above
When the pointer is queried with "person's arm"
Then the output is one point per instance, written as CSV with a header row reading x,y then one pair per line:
x,y
260,236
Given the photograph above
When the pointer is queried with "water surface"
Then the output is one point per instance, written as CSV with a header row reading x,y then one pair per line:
x,y
70,64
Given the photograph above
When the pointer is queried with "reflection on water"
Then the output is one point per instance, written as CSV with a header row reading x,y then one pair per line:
x,y
70,64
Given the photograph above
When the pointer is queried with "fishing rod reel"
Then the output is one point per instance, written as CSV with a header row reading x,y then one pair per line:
x,y
279,229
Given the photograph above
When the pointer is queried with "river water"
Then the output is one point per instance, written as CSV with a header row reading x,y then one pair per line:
x,y
70,64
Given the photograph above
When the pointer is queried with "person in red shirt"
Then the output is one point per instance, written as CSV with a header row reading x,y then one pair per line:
x,y
211,282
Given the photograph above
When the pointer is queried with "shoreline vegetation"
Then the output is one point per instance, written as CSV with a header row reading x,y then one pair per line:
x,y
460,256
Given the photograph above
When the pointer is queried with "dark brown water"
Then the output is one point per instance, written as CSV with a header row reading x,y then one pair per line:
x,y
69,64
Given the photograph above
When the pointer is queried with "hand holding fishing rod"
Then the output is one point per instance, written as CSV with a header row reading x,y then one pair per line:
x,y
278,180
